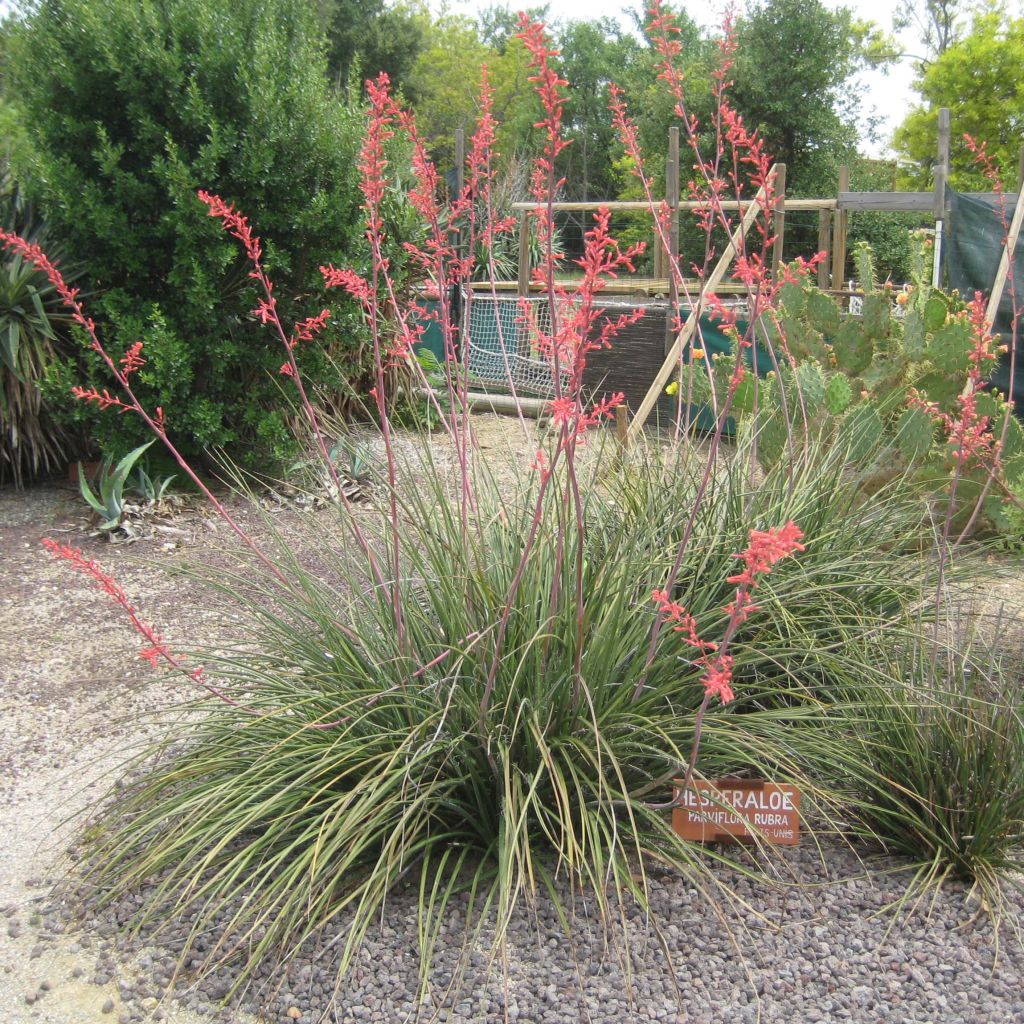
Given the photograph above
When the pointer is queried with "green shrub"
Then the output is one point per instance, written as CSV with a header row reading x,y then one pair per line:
x,y
132,107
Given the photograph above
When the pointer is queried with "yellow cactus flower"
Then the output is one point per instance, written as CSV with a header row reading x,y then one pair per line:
x,y
673,388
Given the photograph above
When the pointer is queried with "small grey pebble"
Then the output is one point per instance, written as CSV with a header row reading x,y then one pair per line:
x,y
108,1006
44,986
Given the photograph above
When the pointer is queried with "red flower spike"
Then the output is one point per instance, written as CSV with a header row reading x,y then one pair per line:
x,y
766,548
717,679
104,399
235,223
156,650
132,360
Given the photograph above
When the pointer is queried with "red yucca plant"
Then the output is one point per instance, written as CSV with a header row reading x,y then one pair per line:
x,y
474,684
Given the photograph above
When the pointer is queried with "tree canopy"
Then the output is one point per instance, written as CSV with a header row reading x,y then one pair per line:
x,y
979,79
134,107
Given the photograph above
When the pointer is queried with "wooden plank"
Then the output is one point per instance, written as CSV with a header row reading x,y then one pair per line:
x,y
1006,259
523,284
902,202
779,219
690,327
619,286
659,257
640,206
839,233
824,242
941,166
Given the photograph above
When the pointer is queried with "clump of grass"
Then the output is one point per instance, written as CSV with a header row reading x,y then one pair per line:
x,y
943,780
350,757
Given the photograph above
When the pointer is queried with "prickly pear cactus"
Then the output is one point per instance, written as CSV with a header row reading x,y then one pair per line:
x,y
838,394
878,382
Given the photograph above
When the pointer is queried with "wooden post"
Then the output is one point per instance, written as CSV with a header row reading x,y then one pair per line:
x,y
824,243
941,166
622,426
779,218
460,169
672,257
460,160
839,234
939,195
757,205
524,253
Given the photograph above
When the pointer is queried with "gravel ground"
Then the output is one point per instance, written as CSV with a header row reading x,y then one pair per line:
x,y
71,695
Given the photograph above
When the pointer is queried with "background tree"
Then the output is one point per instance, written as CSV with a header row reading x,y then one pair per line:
x,y
793,81
979,79
365,37
132,108
594,54
938,23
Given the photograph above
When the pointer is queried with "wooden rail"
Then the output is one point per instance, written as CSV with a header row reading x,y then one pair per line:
x,y
637,206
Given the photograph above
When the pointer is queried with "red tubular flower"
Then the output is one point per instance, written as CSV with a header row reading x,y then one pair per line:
x,y
104,399
717,679
766,548
132,359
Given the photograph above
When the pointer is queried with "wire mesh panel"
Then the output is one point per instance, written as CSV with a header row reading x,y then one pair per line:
x,y
502,333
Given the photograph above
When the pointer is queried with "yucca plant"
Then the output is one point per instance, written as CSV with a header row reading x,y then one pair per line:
x,y
33,324
342,756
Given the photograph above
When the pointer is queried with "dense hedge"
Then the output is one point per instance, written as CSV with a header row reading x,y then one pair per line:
x,y
132,108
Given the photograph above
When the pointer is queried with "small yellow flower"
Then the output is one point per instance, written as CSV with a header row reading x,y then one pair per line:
x,y
673,388
697,353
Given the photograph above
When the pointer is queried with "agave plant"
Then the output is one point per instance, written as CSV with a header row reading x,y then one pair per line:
x,y
112,482
33,322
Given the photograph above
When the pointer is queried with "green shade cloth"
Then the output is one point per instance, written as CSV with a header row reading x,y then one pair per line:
x,y
973,248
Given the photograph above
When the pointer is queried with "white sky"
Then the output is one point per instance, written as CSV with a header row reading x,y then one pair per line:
x,y
888,93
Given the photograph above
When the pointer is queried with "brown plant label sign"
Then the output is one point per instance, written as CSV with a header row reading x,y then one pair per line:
x,y
735,810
